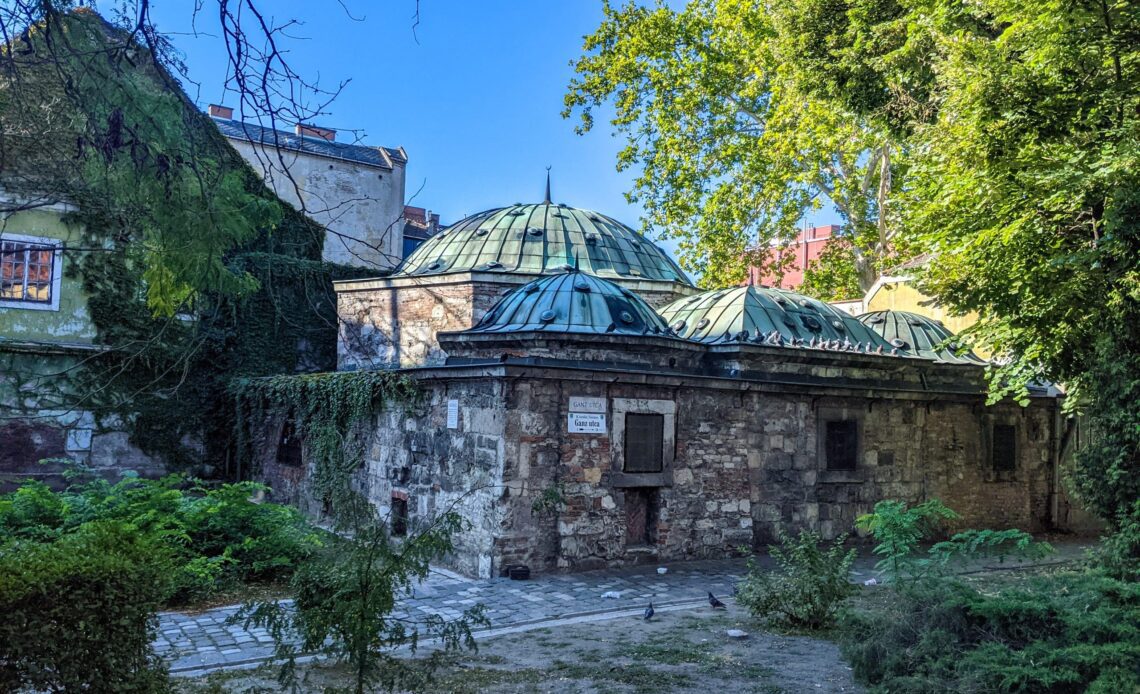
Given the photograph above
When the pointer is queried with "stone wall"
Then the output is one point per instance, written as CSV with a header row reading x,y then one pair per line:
x,y
37,422
393,322
742,458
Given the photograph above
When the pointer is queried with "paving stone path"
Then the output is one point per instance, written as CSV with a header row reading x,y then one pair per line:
x,y
204,641
195,643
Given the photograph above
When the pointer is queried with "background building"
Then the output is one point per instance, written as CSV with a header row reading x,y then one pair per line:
x,y
807,247
355,191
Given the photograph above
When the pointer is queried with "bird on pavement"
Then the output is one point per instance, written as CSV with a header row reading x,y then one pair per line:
x,y
716,604
649,612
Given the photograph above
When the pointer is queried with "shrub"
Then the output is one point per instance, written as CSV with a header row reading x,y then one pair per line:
x,y
1119,554
79,613
345,595
808,586
1059,634
217,536
900,529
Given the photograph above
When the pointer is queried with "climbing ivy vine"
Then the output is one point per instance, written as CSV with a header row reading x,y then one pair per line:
x,y
326,409
195,273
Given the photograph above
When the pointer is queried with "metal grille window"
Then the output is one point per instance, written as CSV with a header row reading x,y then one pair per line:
x,y
644,442
26,271
842,444
1004,453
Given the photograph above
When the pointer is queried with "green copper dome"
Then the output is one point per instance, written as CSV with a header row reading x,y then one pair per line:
x,y
770,316
540,239
920,334
572,302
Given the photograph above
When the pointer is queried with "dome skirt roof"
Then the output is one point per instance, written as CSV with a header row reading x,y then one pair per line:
x,y
770,316
572,302
920,334
541,239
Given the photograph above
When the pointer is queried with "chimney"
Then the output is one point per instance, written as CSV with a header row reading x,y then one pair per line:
x,y
316,131
223,112
427,220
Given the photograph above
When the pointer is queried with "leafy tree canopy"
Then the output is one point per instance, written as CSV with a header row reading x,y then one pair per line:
x,y
721,110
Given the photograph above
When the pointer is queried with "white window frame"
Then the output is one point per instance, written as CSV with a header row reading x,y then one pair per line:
x,y
56,273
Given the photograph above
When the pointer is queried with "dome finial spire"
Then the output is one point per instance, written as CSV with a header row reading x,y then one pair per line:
x,y
547,200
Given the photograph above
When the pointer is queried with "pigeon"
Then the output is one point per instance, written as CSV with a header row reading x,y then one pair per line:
x,y
716,604
648,612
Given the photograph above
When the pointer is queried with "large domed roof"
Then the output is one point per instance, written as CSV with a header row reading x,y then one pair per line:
x,y
769,316
572,302
539,239
920,334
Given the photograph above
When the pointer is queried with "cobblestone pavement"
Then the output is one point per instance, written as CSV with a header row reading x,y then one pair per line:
x,y
192,642
200,642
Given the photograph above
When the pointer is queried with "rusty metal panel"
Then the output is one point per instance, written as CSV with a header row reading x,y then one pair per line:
x,y
644,440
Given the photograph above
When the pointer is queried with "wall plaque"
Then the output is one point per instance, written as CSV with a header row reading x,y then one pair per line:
x,y
586,423
580,403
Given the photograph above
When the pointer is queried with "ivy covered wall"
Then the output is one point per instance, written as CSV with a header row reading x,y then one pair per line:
x,y
193,273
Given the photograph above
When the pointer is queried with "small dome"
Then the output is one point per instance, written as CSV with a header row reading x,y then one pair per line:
x,y
572,302
541,239
922,335
769,316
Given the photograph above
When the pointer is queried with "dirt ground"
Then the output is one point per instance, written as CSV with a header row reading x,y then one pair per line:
x,y
679,651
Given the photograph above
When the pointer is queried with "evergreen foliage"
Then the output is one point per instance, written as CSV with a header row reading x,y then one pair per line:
x,y
1066,633
79,613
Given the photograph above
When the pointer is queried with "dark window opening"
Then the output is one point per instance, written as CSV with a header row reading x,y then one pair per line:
x,y
399,517
644,442
289,448
841,446
1004,453
640,516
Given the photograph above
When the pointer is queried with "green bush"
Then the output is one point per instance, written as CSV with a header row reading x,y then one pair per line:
x,y
1119,554
1064,633
217,536
79,613
899,529
808,586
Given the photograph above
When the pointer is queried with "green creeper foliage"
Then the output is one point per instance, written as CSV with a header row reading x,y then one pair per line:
x,y
808,586
79,613
722,114
195,273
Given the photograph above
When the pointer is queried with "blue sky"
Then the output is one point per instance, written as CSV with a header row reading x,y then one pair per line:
x,y
476,102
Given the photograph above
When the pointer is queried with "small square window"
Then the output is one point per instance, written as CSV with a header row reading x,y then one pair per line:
x,y
1004,452
841,445
644,442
